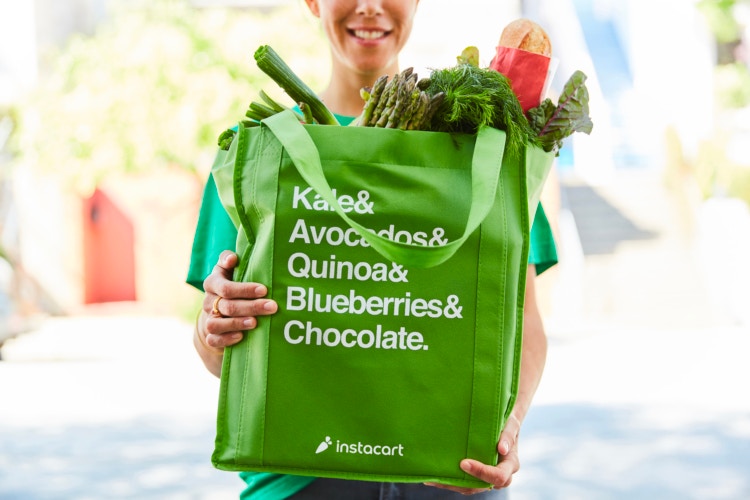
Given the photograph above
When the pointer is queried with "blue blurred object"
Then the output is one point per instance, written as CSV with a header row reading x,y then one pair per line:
x,y
616,81
565,159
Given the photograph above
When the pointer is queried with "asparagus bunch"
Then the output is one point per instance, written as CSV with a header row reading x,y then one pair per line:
x,y
400,102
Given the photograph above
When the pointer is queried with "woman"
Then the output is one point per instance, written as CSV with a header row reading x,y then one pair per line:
x,y
365,38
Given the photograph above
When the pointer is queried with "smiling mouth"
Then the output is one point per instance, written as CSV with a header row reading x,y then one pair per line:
x,y
369,34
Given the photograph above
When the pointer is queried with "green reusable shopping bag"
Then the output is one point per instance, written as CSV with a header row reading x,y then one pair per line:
x,y
398,261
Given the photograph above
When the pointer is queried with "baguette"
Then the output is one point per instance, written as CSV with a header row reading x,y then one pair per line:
x,y
526,35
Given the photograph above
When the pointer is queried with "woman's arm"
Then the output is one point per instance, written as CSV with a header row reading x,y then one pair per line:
x,y
229,309
533,357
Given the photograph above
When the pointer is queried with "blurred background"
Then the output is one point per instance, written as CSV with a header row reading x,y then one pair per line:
x,y
109,113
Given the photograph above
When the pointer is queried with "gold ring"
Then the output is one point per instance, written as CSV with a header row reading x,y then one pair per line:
x,y
215,311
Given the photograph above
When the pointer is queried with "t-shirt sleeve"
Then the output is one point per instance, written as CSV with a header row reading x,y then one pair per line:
x,y
542,250
214,233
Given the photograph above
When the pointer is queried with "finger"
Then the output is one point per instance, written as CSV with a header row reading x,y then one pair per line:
x,y
245,308
217,333
508,466
222,272
229,325
499,476
216,284
222,340
227,262
509,436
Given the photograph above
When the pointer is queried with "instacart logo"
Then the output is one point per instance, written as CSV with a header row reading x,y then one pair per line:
x,y
323,446
360,448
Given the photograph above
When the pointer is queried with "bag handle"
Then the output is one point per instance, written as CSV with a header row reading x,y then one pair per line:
x,y
485,175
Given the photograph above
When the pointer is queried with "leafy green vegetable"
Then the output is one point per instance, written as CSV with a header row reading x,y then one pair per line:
x,y
476,97
470,55
553,123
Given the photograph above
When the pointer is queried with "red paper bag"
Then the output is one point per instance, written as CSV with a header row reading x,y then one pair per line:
x,y
527,72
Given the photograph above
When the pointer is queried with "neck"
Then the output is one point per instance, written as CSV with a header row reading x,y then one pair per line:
x,y
342,95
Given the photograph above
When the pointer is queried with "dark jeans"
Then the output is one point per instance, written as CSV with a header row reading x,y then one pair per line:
x,y
340,489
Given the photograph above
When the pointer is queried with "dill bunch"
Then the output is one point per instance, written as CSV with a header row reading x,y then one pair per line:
x,y
476,97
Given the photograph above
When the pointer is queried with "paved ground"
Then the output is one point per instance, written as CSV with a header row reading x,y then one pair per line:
x,y
644,393
110,406
643,396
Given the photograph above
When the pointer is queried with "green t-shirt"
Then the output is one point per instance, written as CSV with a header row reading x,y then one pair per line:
x,y
215,233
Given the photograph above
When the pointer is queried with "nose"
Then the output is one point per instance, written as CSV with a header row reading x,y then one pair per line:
x,y
369,8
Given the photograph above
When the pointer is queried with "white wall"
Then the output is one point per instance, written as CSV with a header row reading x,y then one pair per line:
x,y
593,160
672,58
18,68
443,28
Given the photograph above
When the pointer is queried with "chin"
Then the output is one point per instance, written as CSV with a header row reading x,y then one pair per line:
x,y
374,67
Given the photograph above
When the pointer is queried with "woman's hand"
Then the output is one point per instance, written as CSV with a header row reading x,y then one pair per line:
x,y
229,309
500,475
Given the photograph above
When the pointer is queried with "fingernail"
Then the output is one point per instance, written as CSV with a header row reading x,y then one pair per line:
x,y
504,447
465,466
236,337
249,323
269,306
261,291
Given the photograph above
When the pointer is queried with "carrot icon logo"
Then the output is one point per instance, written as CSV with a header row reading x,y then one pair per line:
x,y
323,446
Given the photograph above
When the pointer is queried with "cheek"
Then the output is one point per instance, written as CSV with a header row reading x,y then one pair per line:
x,y
334,9
405,14
333,19
330,27
406,30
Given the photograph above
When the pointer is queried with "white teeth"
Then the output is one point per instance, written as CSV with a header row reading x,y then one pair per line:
x,y
369,35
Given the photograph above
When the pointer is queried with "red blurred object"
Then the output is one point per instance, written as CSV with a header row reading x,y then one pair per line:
x,y
527,72
108,251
